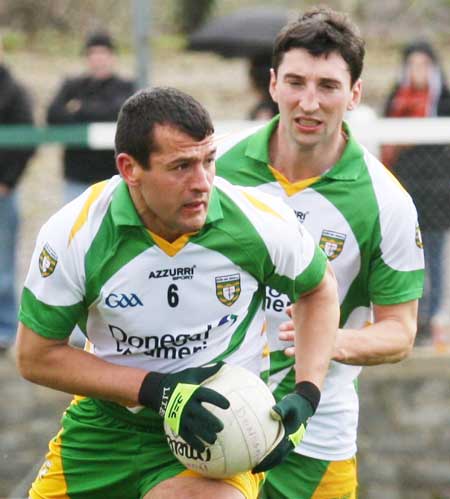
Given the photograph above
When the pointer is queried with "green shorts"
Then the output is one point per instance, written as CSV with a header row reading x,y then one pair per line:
x,y
302,477
104,451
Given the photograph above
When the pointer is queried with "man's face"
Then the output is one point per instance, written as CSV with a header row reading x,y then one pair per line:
x,y
100,61
313,94
175,190
419,68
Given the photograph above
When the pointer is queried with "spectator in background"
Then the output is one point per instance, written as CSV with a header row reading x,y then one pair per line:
x,y
15,108
93,97
259,72
424,170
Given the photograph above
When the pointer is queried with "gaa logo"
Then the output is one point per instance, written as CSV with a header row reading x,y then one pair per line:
x,y
122,301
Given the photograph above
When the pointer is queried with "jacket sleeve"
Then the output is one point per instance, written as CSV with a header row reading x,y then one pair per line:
x,y
444,102
58,112
388,103
14,161
104,104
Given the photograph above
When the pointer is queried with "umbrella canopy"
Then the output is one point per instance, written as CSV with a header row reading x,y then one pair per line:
x,y
244,33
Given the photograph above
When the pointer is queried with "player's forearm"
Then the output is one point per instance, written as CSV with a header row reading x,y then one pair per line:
x,y
62,367
316,319
390,339
387,341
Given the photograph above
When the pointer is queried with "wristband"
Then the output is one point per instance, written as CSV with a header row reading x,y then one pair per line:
x,y
310,392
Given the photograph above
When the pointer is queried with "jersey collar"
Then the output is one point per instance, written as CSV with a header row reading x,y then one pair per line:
x,y
122,207
214,209
349,166
124,212
258,143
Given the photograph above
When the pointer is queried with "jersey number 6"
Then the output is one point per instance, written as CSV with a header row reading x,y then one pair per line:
x,y
172,296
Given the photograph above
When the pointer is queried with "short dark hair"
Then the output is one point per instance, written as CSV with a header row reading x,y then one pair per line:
x,y
100,39
158,106
321,31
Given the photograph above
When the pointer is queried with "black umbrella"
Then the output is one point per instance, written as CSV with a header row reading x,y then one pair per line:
x,y
244,33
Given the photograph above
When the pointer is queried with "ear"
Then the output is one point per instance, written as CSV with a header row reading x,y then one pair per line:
x,y
129,169
273,85
355,95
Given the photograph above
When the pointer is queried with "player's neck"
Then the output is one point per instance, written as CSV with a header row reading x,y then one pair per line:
x,y
150,220
297,162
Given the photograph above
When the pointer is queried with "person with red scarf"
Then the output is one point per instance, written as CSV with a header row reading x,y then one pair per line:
x,y
424,170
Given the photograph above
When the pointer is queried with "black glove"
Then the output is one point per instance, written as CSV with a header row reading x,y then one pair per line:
x,y
294,411
178,397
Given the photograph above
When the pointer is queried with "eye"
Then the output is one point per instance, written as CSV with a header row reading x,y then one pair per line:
x,y
329,85
181,166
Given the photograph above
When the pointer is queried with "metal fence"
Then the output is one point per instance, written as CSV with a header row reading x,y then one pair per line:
x,y
419,156
424,171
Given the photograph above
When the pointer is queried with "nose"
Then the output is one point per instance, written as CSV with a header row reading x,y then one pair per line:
x,y
309,102
201,178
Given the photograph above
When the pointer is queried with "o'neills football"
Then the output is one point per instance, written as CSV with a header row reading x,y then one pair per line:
x,y
249,431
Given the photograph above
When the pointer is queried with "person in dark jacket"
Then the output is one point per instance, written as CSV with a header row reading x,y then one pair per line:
x,y
259,73
424,170
15,108
92,97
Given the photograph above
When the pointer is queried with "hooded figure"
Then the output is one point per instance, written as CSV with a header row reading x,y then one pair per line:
x,y
424,170
421,90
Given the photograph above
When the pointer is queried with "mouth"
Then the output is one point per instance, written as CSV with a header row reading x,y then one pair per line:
x,y
195,206
307,124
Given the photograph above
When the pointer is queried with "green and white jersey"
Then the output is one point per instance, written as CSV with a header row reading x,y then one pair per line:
x,y
367,225
147,303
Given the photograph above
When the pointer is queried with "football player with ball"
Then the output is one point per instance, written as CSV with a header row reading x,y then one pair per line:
x,y
164,269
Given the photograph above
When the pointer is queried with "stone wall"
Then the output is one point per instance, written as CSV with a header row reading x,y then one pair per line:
x,y
404,430
29,417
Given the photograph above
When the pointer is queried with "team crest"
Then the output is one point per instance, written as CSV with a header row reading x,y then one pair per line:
x,y
228,288
419,242
47,261
332,243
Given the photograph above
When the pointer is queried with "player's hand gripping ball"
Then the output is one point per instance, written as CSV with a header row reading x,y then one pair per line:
x,y
249,433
